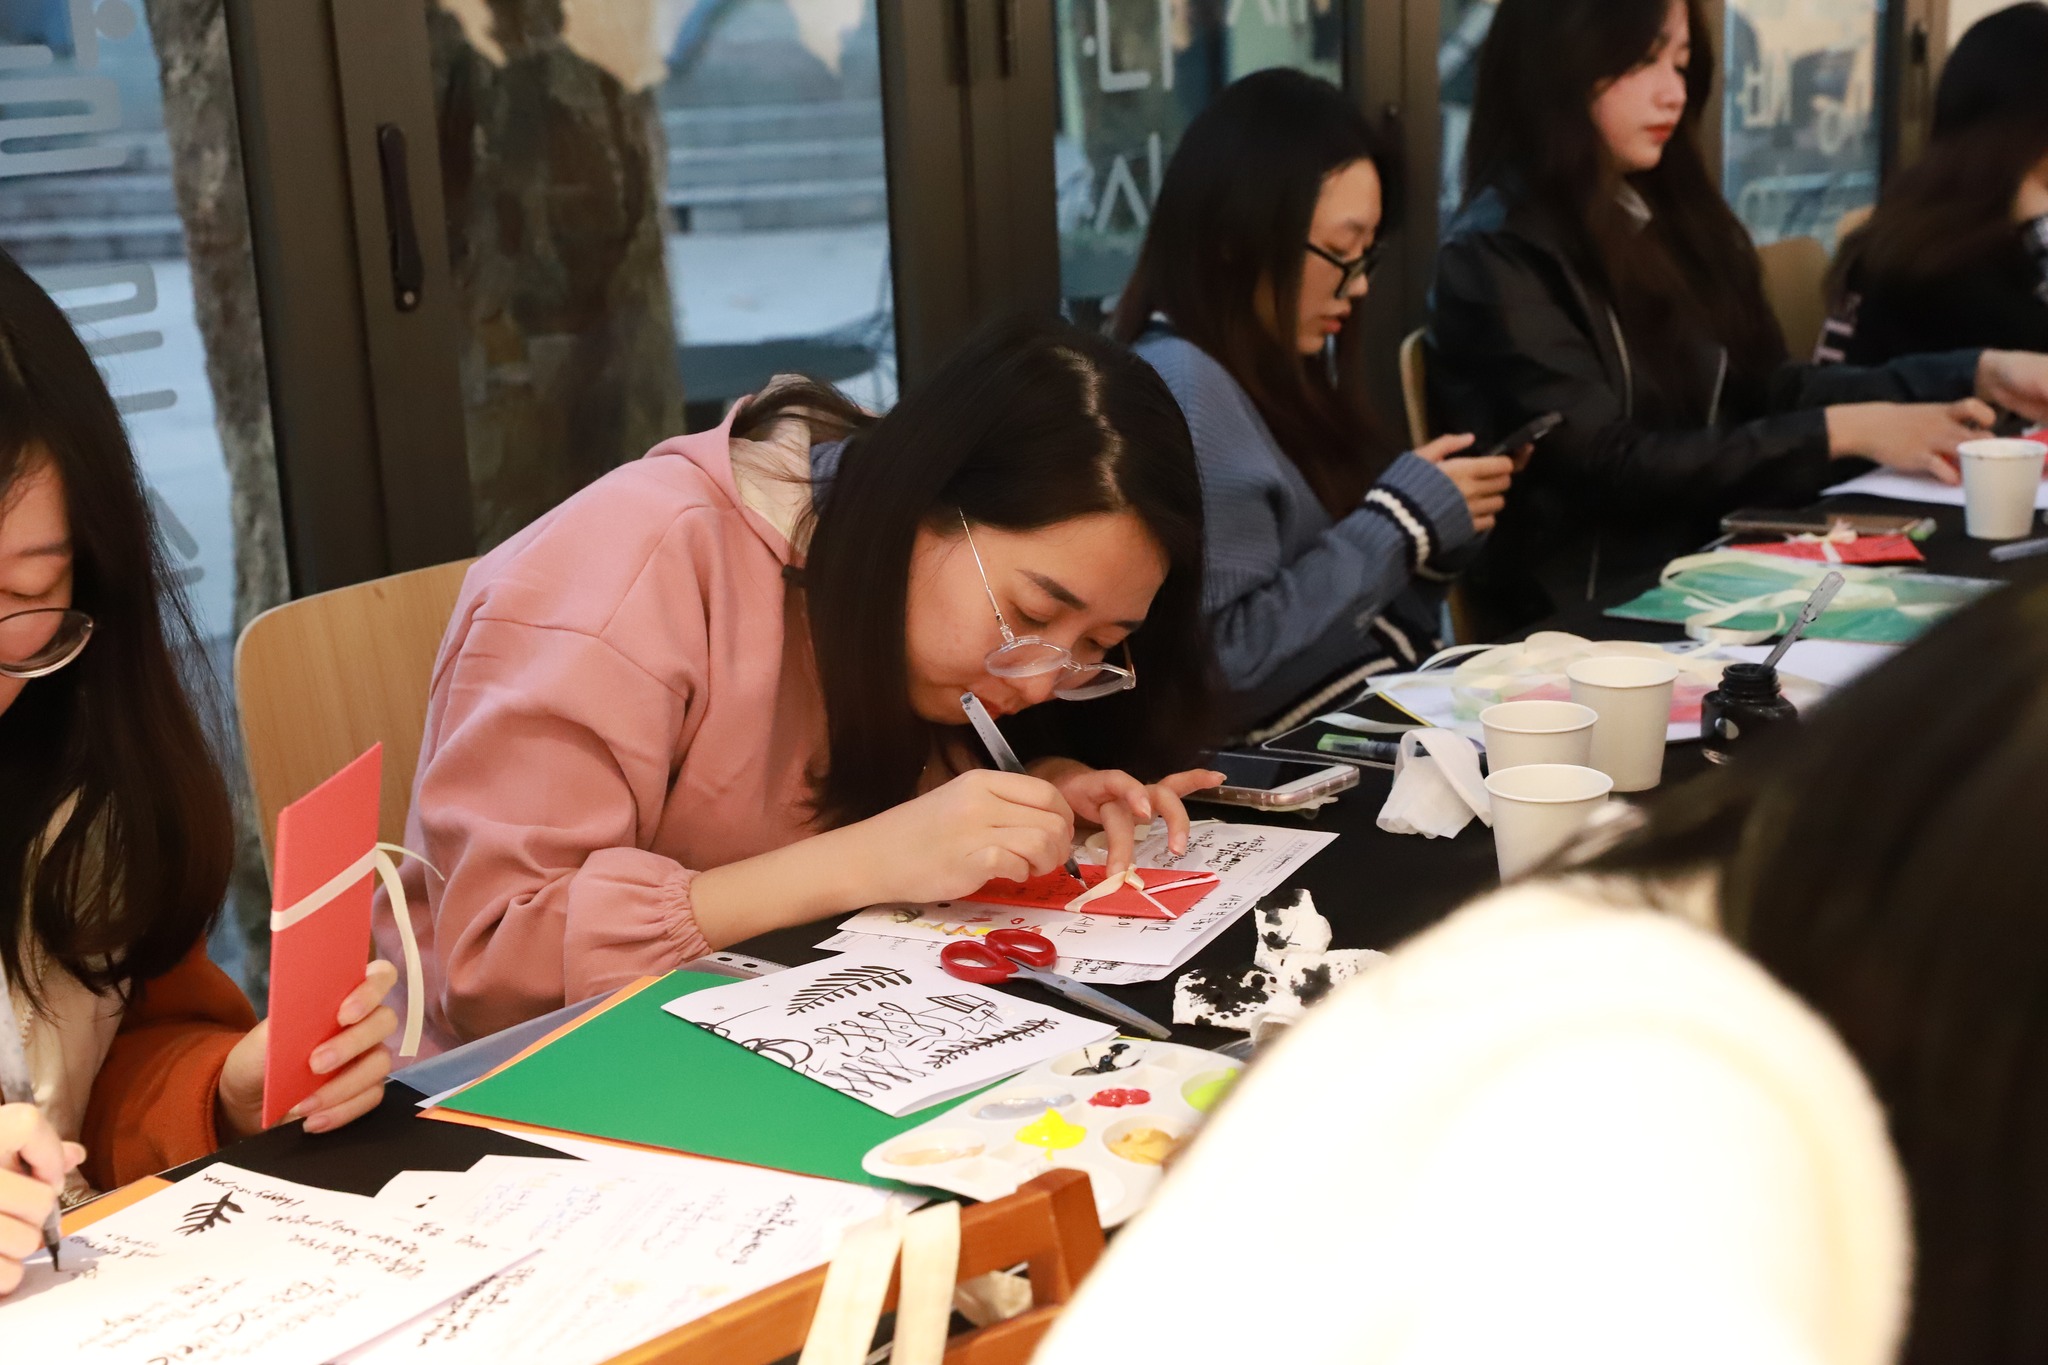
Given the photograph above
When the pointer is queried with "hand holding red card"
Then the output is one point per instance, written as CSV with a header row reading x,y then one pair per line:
x,y
1168,894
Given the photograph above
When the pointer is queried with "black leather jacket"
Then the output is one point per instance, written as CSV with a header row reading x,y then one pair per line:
x,y
1632,479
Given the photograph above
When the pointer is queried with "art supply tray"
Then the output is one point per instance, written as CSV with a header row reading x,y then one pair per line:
x,y
1116,1110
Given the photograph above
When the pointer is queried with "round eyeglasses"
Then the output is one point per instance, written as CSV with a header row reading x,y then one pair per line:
x,y
36,643
1032,656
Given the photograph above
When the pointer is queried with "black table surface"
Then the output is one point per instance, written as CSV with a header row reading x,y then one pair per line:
x,y
1376,889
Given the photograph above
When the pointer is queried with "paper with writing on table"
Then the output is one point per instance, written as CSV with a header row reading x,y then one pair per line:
x,y
1169,893
623,1257
316,961
228,1265
896,1036
1250,861
1093,970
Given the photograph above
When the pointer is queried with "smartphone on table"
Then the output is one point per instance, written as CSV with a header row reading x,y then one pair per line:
x,y
1267,783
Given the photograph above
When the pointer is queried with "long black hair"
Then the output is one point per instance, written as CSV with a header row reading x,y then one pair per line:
x,y
1031,423
137,869
1952,208
1887,865
1692,269
1231,229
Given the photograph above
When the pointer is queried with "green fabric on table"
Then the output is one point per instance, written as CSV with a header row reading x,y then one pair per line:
x,y
637,1074
1927,598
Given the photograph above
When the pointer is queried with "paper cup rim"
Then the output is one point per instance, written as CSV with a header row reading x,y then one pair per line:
x,y
2003,448
1572,671
1584,721
1533,769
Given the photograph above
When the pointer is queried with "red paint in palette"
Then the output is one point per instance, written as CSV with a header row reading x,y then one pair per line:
x,y
1116,1098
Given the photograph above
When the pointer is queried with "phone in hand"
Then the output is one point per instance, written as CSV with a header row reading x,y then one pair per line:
x,y
1528,434
1266,783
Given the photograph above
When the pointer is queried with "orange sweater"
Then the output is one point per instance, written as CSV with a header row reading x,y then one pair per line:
x,y
152,1104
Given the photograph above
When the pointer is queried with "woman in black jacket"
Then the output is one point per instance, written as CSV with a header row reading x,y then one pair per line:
x,y
1596,272
1957,253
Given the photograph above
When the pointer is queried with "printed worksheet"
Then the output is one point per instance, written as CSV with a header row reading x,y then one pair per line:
x,y
1250,862
622,1257
896,1036
1093,970
228,1265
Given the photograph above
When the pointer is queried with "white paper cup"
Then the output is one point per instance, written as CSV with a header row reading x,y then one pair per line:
x,y
1519,733
1633,698
1538,808
2000,479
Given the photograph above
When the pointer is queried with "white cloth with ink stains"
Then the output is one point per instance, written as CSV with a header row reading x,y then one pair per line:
x,y
1548,1130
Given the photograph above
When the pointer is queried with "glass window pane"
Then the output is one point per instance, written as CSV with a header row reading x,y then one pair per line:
x,y
1132,73
129,208
651,216
1801,136
1463,29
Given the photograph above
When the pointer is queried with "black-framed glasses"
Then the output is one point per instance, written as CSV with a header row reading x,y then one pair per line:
x,y
36,643
1353,270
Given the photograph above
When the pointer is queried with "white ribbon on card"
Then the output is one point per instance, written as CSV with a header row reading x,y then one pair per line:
x,y
383,860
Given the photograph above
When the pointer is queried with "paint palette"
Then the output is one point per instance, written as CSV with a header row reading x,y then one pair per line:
x,y
1117,1110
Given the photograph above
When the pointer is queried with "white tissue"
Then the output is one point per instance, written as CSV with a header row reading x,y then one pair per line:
x,y
1436,793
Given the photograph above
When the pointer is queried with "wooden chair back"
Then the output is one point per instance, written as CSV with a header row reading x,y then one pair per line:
x,y
1049,1224
321,679
1415,388
1795,282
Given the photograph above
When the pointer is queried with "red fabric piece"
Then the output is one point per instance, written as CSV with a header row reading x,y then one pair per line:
x,y
1055,889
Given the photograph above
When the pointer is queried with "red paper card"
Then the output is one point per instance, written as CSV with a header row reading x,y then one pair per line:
x,y
1862,550
319,958
1055,889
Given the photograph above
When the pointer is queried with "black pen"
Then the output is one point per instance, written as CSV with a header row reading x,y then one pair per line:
x,y
18,1087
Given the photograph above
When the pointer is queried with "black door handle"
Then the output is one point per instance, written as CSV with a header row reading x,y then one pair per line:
x,y
408,268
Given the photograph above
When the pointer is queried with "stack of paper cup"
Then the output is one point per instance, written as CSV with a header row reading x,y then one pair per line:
x,y
2000,481
1632,696
1538,808
1519,733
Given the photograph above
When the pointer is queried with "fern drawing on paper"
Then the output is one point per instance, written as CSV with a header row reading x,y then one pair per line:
x,y
844,985
214,1214
1030,1028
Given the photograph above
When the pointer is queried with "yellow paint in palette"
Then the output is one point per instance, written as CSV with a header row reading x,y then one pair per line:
x,y
1051,1132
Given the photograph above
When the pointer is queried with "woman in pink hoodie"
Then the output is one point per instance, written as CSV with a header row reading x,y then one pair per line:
x,y
718,692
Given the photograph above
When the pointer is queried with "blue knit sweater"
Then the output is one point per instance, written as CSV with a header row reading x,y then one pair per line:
x,y
1304,609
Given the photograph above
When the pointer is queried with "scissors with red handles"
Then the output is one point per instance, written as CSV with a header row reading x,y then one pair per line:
x,y
1000,954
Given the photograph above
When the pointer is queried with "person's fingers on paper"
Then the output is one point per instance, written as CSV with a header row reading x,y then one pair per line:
x,y
1176,814
377,983
354,1041
349,1096
1120,839
1975,414
30,1144
1444,446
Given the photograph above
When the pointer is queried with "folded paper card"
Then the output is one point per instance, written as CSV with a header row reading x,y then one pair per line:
x,y
1165,893
893,1035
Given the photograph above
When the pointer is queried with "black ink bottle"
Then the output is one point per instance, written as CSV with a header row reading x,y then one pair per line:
x,y
1748,701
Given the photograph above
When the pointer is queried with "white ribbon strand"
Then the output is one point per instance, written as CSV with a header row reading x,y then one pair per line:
x,y
383,860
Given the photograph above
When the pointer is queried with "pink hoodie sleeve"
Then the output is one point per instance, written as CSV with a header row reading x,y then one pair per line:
x,y
549,777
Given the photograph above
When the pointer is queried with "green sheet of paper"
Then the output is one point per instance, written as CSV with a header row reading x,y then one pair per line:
x,y
635,1074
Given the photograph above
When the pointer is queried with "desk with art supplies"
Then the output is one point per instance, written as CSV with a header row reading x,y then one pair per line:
x,y
733,1128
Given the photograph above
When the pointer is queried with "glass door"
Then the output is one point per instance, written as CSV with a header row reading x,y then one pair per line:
x,y
1132,74
121,193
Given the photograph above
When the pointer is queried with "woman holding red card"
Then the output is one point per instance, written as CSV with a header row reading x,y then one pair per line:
x,y
114,820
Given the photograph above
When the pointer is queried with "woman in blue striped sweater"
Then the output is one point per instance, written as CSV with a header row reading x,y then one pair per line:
x,y
1326,563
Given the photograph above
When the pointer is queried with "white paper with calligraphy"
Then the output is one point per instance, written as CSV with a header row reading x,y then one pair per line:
x,y
623,1257
896,1036
228,1265
1250,861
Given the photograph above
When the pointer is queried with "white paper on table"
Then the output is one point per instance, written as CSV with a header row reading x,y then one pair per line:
x,y
228,1265
1831,663
1883,483
1250,862
1094,970
898,1037
409,1194
626,1254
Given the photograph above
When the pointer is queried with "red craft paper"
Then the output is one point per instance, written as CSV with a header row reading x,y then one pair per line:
x,y
315,963
1862,550
1055,889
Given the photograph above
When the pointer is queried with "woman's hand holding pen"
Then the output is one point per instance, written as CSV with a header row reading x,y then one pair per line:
x,y
33,1164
